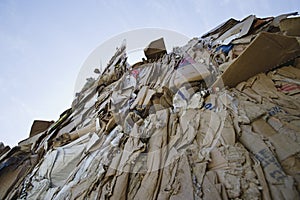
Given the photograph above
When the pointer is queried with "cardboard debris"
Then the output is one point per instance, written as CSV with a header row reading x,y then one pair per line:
x,y
222,28
155,49
3,149
157,130
290,26
39,126
236,31
190,71
267,51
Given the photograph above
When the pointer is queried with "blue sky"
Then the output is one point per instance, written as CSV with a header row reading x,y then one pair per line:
x,y
43,45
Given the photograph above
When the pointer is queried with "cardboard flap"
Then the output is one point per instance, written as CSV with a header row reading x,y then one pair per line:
x,y
290,26
39,126
155,49
267,51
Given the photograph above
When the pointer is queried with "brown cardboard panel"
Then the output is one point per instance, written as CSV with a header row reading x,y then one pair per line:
x,y
267,51
222,28
236,31
297,63
155,49
8,178
4,150
39,126
290,26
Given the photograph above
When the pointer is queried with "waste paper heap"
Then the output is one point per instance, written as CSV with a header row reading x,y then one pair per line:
x,y
218,118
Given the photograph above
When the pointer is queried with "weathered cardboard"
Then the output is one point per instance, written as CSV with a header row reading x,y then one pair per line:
x,y
39,126
143,98
266,51
31,140
297,63
290,26
236,31
155,49
222,28
280,184
284,145
9,177
189,71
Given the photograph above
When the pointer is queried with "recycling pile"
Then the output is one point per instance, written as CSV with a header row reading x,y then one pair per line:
x,y
218,118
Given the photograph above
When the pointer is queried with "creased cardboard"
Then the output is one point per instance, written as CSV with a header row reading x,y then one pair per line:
x,y
221,28
267,51
156,131
236,31
189,71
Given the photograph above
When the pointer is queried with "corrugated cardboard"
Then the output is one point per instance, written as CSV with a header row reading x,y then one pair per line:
x,y
222,28
275,176
143,98
236,31
137,136
155,49
8,177
189,71
267,51
290,26
39,126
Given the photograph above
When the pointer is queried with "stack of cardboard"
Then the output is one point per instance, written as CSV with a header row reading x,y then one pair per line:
x,y
215,119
